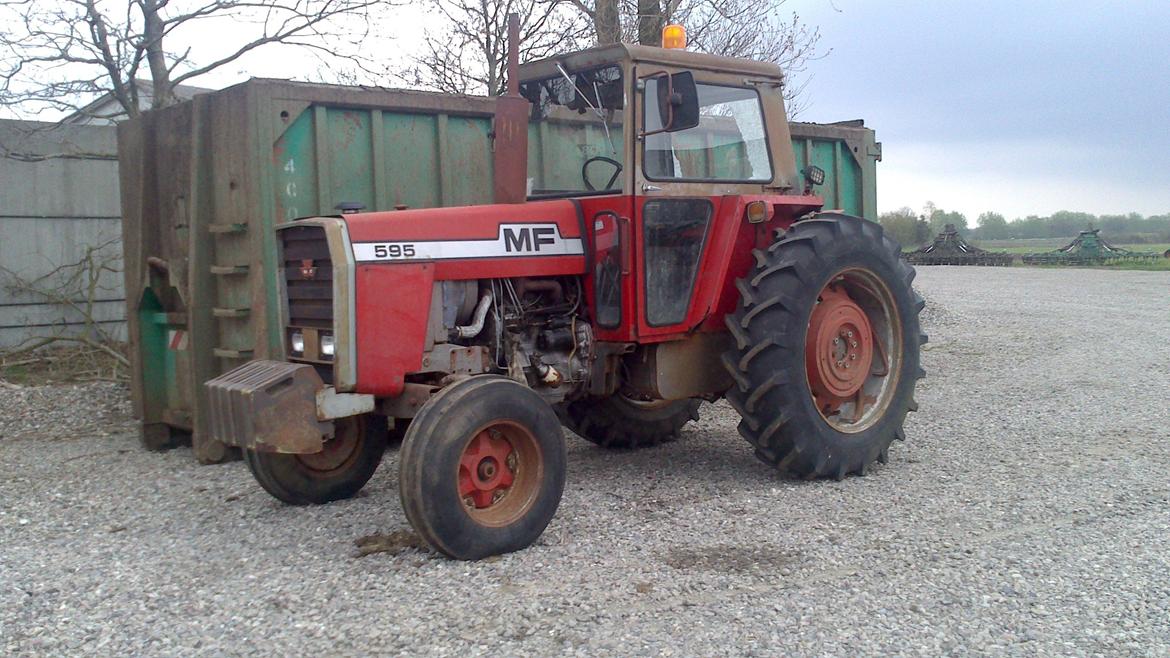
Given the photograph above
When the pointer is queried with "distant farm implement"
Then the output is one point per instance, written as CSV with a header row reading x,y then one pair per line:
x,y
1089,248
949,248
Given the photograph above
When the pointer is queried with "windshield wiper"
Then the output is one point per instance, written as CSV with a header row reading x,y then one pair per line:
x,y
595,108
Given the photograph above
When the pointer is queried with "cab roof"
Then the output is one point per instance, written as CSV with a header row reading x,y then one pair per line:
x,y
618,52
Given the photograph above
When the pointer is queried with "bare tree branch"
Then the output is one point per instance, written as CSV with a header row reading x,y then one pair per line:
x,y
56,55
75,289
468,52
750,29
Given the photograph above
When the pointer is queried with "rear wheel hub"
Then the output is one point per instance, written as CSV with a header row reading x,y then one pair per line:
x,y
839,349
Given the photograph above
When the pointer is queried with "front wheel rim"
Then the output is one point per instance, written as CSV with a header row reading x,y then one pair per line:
x,y
339,452
499,473
853,350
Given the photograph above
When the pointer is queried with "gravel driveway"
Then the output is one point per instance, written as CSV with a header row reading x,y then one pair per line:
x,y
1028,512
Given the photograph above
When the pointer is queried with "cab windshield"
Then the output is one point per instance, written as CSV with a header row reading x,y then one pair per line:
x,y
575,133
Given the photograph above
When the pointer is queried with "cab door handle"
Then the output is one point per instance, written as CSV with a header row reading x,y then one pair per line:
x,y
626,237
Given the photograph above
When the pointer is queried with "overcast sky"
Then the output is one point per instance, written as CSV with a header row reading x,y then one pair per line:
x,y
1023,107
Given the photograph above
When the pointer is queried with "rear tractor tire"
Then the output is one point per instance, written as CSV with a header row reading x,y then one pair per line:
x,y
339,471
482,468
827,348
621,422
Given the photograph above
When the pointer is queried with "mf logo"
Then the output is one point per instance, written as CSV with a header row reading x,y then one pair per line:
x,y
513,240
528,239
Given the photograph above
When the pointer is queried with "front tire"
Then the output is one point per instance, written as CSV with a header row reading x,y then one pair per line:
x,y
339,471
827,348
482,468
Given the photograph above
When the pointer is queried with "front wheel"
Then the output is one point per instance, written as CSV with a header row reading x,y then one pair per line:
x,y
827,348
339,471
482,468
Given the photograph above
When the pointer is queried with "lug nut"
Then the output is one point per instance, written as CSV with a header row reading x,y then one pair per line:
x,y
849,334
854,343
468,501
497,495
836,341
511,462
853,357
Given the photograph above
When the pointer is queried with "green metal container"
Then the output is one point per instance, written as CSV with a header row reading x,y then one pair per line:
x,y
849,153
204,183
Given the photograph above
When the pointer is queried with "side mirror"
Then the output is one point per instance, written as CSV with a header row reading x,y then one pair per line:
x,y
678,102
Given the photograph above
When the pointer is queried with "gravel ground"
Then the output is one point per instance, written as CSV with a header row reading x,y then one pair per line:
x,y
1028,513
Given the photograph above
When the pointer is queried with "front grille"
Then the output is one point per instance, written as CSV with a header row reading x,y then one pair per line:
x,y
308,278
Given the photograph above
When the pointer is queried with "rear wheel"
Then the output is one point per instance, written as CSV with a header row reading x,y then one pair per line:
x,y
827,348
619,421
339,471
482,468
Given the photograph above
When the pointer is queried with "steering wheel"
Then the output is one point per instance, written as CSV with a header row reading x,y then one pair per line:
x,y
600,158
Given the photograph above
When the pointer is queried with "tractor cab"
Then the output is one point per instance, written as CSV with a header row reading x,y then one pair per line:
x,y
662,149
656,122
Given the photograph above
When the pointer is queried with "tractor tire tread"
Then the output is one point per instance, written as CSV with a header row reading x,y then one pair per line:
x,y
616,424
764,329
282,476
429,437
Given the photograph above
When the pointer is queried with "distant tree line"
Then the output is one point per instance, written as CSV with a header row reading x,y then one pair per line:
x,y
916,228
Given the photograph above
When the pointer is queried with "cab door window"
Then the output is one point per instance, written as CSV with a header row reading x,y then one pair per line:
x,y
674,232
729,144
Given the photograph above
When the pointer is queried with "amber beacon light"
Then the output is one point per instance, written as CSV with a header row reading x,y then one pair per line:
x,y
674,36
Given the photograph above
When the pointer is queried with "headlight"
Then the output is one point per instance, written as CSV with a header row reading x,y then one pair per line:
x,y
298,342
327,345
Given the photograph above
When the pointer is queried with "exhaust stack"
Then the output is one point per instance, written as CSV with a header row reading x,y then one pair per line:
x,y
510,129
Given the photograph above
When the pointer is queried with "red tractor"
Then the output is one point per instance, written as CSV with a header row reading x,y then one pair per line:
x,y
686,259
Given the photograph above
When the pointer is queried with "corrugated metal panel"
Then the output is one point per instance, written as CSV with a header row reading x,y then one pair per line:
x,y
58,199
